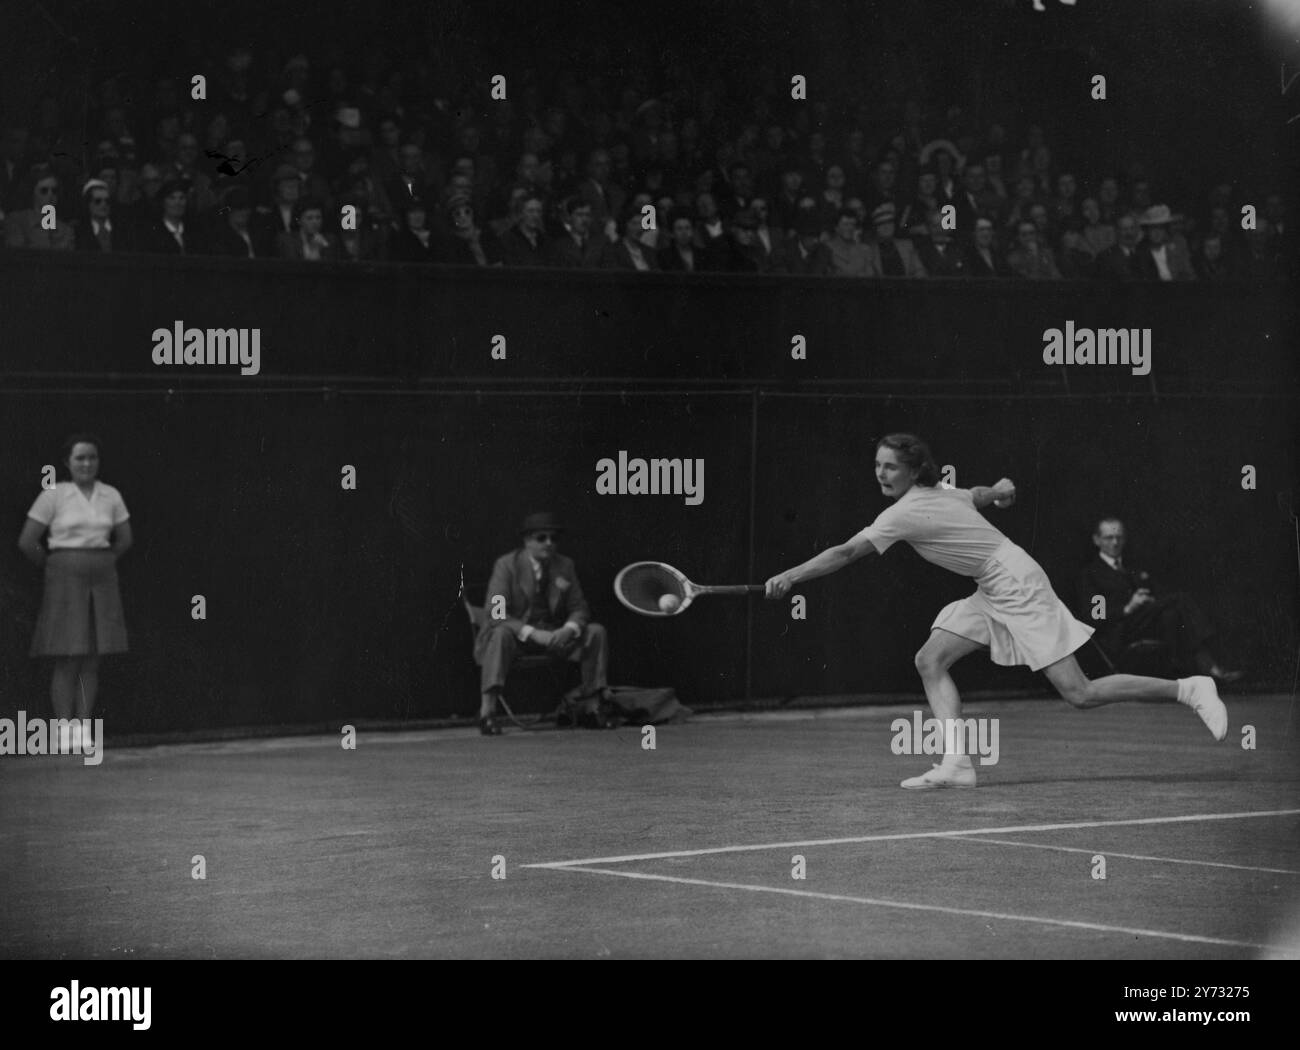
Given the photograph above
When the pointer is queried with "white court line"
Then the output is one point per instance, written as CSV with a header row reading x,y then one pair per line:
x,y
904,905
1138,856
912,835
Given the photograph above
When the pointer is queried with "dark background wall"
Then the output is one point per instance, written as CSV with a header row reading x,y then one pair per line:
x,y
327,604
75,314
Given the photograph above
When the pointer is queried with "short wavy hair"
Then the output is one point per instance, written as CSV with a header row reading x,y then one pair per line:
x,y
914,453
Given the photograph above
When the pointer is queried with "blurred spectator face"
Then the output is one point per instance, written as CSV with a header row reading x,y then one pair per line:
x,y
1025,188
1220,221
817,143
1158,235
1073,240
461,184
1091,211
1038,216
704,181
304,155
855,205
174,205
1042,160
535,140
531,216
1142,194
46,191
743,236
150,180
411,159
187,150
937,233
526,169
99,204
706,206
390,133
311,221
1027,235
620,155
238,218
759,207
983,233
598,166
926,184
847,228
943,161
415,218
774,138
791,182
287,191
993,164
885,176
683,231
835,178
1066,187
632,227
464,166
580,220
973,178
462,217
885,231
1129,231
1212,249
1108,191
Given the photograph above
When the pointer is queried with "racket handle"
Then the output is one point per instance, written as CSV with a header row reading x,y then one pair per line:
x,y
734,588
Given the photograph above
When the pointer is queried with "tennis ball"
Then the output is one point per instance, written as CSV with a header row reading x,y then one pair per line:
x,y
669,602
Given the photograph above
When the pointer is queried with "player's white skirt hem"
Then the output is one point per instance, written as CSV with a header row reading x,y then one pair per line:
x,y
1015,612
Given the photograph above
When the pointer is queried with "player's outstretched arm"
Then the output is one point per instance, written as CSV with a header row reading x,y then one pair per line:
x,y
1003,494
828,561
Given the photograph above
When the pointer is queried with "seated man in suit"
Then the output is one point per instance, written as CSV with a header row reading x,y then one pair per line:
x,y
534,603
1132,611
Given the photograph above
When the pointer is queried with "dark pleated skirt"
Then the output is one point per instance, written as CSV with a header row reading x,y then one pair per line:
x,y
81,611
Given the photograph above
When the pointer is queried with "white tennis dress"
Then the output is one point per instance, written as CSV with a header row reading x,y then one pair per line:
x,y
1014,610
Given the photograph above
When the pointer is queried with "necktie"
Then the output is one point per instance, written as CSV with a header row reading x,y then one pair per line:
x,y
544,581
104,237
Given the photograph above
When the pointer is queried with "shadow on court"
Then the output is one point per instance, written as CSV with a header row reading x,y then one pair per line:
x,y
687,850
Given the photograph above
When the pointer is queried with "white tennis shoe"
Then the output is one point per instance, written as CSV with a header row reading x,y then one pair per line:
x,y
943,777
1203,698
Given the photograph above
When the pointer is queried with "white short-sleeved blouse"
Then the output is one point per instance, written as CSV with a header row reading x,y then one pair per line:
x,y
77,522
943,526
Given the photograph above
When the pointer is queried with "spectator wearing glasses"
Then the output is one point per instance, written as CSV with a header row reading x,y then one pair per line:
x,y
30,228
1031,259
308,242
469,244
545,613
96,231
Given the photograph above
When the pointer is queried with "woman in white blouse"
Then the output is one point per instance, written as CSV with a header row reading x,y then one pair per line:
x,y
81,612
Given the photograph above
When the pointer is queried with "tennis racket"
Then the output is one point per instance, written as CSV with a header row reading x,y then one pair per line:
x,y
640,585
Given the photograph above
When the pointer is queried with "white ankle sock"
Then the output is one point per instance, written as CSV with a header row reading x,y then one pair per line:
x,y
1184,690
956,761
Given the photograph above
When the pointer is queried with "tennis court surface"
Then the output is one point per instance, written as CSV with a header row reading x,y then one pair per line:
x,y
687,850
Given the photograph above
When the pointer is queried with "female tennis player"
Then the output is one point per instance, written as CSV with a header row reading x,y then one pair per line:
x,y
1013,613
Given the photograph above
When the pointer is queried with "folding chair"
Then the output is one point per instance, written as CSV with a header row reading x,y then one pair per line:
x,y
535,675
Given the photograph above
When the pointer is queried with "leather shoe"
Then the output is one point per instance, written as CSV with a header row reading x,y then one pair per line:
x,y
488,726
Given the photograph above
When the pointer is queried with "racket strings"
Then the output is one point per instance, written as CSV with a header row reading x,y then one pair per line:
x,y
643,585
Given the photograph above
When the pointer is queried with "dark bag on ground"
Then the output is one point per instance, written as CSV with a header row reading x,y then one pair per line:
x,y
621,705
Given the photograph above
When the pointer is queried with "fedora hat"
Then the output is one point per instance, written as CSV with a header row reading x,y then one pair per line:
x,y
884,213
541,521
1156,216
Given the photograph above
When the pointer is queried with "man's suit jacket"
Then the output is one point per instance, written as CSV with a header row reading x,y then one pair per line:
x,y
818,261
565,253
1113,263
1180,266
84,239
1098,578
977,267
156,239
948,263
619,258
912,265
512,576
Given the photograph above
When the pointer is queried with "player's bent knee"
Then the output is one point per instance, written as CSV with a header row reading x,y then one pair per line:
x,y
596,630
927,664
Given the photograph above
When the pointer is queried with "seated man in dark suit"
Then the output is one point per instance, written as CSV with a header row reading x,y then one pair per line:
x,y
534,603
1132,611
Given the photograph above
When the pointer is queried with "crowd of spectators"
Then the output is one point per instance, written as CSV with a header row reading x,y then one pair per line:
x,y
274,164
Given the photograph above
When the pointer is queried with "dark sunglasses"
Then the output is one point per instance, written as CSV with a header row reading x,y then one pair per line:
x,y
98,200
45,191
545,537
